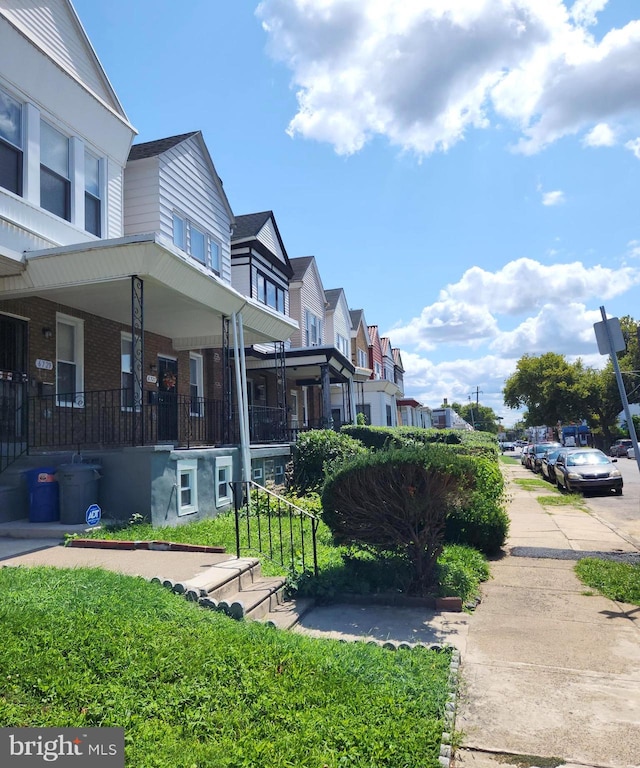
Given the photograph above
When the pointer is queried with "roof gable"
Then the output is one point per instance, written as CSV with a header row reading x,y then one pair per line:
x,y
159,147
55,29
260,231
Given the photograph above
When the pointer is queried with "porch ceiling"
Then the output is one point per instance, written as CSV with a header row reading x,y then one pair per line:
x,y
182,300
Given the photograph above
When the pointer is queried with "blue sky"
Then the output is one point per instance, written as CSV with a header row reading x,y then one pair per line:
x,y
467,171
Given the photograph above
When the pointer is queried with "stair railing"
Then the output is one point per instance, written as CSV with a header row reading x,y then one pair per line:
x,y
272,526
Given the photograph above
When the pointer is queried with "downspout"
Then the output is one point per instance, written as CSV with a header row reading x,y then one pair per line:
x,y
245,413
239,397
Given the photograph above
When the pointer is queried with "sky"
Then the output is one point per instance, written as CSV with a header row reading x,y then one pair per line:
x,y
468,171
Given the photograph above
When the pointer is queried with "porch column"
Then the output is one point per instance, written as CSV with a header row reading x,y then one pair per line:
x,y
137,358
327,421
352,401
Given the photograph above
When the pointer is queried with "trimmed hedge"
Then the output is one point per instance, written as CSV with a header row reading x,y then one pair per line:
x,y
319,451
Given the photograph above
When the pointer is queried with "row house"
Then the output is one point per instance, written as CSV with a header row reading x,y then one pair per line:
x,y
120,328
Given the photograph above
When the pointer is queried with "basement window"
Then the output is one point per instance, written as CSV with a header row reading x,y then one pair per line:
x,y
187,472
224,469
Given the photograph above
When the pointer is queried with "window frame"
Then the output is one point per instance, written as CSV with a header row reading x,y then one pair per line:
x,y
18,149
78,342
198,359
188,468
313,322
55,174
89,195
223,463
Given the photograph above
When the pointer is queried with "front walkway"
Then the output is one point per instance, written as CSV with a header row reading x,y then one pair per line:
x,y
550,670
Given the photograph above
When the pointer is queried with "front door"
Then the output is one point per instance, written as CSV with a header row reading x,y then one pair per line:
x,y
167,398
13,379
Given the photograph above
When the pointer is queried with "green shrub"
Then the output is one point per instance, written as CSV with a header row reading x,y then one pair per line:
x,y
317,452
460,571
397,501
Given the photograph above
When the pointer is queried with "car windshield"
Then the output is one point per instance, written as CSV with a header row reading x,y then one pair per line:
x,y
579,458
550,455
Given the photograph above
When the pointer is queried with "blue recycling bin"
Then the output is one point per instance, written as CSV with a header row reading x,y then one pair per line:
x,y
44,495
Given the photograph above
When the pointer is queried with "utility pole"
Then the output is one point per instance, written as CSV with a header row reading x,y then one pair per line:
x,y
477,393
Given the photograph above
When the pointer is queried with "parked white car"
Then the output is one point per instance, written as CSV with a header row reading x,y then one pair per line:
x,y
631,454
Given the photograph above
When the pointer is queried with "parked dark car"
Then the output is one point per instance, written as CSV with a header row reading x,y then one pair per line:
x,y
583,469
548,464
620,448
539,449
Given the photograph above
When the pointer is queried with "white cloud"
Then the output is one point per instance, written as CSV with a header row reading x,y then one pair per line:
x,y
553,198
565,328
601,135
422,73
634,146
466,313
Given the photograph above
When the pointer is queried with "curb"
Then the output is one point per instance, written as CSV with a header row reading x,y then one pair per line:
x,y
161,546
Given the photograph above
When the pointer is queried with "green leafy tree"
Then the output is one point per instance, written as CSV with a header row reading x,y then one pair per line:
x,y
481,417
550,388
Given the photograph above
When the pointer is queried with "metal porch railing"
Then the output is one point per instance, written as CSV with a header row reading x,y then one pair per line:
x,y
270,525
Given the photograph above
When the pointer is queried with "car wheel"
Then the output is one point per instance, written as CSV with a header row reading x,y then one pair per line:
x,y
617,491
559,485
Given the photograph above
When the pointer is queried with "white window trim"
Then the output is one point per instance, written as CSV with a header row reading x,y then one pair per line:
x,y
78,324
189,468
223,462
199,383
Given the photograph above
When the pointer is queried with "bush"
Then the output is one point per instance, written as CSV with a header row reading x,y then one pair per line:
x,y
317,452
460,571
379,438
481,522
398,501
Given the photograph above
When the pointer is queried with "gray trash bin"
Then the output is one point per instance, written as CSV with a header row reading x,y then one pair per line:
x,y
78,491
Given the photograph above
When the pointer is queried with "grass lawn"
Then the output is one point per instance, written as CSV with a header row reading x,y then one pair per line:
x,y
617,581
194,689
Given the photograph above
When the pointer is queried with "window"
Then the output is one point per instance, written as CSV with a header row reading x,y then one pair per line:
x,y
377,370
362,359
214,249
126,371
69,360
342,344
195,384
179,230
313,330
223,469
55,184
187,487
92,204
198,244
389,421
10,144
269,293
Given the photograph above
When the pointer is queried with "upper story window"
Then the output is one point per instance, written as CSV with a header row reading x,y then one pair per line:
x,y
377,370
342,344
92,202
55,182
362,358
269,293
10,144
198,244
313,331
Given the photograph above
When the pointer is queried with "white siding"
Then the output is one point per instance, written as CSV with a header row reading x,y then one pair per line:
x,y
115,196
186,184
142,198
311,297
267,236
53,28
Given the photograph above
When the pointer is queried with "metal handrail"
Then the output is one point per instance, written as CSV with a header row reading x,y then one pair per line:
x,y
275,527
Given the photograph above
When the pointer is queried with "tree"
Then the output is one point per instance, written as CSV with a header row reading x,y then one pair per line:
x,y
550,388
481,417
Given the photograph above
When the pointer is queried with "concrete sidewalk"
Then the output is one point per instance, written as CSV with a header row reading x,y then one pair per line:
x,y
550,670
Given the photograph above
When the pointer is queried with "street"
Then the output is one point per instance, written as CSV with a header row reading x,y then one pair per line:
x,y
622,512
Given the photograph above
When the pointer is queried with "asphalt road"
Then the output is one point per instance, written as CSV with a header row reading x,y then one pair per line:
x,y
623,512
620,512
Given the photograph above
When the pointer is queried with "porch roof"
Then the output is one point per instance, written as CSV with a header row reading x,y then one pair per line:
x,y
183,300
303,364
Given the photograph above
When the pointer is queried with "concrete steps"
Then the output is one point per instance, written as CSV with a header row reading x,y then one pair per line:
x,y
237,588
